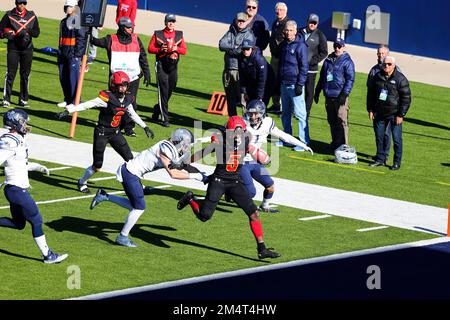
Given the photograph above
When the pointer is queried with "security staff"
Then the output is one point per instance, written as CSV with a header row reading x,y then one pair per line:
x,y
126,53
167,44
19,26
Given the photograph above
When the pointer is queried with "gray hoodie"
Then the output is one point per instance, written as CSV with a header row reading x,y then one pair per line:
x,y
231,44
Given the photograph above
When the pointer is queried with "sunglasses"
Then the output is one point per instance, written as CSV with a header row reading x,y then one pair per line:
x,y
336,46
251,7
241,21
24,3
387,64
312,22
246,49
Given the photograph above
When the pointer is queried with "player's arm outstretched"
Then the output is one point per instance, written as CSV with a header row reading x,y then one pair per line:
x,y
180,174
71,108
286,137
33,166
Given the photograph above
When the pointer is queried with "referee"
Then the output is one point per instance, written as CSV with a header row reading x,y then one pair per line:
x,y
167,44
19,26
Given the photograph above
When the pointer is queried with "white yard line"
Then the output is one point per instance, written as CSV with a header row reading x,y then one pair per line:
x,y
372,228
284,265
103,178
315,217
59,168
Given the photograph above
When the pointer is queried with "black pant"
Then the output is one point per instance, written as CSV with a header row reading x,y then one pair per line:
x,y
14,57
309,91
103,136
128,123
167,77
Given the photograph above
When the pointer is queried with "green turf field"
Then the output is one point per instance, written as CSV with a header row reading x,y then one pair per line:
x,y
174,245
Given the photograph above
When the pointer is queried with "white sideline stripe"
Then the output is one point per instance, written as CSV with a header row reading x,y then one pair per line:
x,y
372,228
229,274
103,178
315,217
85,197
59,168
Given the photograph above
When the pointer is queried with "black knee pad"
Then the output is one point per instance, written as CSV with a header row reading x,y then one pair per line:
x,y
204,216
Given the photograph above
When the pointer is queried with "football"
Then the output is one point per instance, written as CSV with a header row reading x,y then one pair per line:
x,y
258,154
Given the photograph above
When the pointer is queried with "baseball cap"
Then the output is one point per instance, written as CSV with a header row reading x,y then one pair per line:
x,y
247,44
71,3
21,1
340,42
170,17
242,16
313,18
126,22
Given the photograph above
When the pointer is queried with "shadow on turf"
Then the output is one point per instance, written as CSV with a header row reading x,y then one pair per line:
x,y
102,229
18,255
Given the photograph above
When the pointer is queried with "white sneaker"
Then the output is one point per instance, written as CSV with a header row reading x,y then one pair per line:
x,y
62,104
5,104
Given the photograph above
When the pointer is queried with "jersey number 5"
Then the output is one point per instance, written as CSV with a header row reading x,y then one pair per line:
x,y
116,119
233,162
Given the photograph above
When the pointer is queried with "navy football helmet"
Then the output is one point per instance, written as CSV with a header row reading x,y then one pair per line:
x,y
255,112
17,119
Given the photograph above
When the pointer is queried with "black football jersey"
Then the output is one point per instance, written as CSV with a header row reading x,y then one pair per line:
x,y
111,116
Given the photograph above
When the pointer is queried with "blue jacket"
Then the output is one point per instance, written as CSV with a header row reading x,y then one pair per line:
x,y
337,76
260,29
255,75
293,67
72,41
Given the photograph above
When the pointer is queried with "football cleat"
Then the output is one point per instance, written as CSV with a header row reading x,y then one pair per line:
x,y
268,253
268,209
100,196
6,104
185,200
83,187
125,241
62,104
24,104
53,257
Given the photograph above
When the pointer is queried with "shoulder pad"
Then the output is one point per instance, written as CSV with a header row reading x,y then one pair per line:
x,y
169,150
9,141
104,95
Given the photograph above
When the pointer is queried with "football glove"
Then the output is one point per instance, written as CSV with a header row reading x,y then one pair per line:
x,y
62,115
149,133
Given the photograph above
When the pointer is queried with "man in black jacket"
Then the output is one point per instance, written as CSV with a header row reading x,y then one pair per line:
x,y
126,53
388,101
19,26
317,51
276,37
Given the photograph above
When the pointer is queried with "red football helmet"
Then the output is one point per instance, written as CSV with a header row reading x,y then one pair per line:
x,y
235,122
119,78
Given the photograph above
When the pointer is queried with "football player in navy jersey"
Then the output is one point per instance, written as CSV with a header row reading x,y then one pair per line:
x,y
112,104
14,157
230,145
162,155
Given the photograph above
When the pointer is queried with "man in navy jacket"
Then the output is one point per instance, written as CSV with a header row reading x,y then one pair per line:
x,y
293,70
336,80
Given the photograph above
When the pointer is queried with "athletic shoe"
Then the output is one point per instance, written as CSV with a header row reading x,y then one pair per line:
x,y
268,253
100,196
53,257
298,149
268,209
62,104
83,187
125,241
24,104
6,104
185,200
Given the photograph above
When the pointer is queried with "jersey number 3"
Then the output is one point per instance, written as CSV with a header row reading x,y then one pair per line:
x,y
116,119
233,162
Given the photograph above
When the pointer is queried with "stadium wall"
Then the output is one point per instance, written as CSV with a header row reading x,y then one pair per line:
x,y
417,27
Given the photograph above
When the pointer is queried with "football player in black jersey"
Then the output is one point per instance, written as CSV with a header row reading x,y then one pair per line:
x,y
112,104
230,146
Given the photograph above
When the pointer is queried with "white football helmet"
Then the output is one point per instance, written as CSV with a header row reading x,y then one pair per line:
x,y
182,139
346,155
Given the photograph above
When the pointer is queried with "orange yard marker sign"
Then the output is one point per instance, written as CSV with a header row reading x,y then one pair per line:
x,y
218,104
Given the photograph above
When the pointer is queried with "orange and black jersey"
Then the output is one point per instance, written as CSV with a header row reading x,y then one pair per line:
x,y
111,116
230,153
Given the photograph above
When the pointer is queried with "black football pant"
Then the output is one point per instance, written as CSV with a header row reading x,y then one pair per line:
x,y
14,58
167,81
103,136
127,123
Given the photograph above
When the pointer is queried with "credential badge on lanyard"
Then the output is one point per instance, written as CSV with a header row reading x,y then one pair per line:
x,y
383,95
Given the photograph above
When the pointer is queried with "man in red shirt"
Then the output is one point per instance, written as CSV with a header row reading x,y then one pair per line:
x,y
167,44
126,8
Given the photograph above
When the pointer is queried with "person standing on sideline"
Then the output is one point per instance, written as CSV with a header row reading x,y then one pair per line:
x,y
14,157
126,53
167,44
161,155
382,52
276,37
317,51
258,24
113,104
126,8
72,44
336,80
388,101
231,44
293,71
19,26
256,76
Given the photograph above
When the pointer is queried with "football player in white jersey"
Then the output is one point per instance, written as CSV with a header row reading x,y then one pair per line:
x,y
260,126
14,157
165,154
